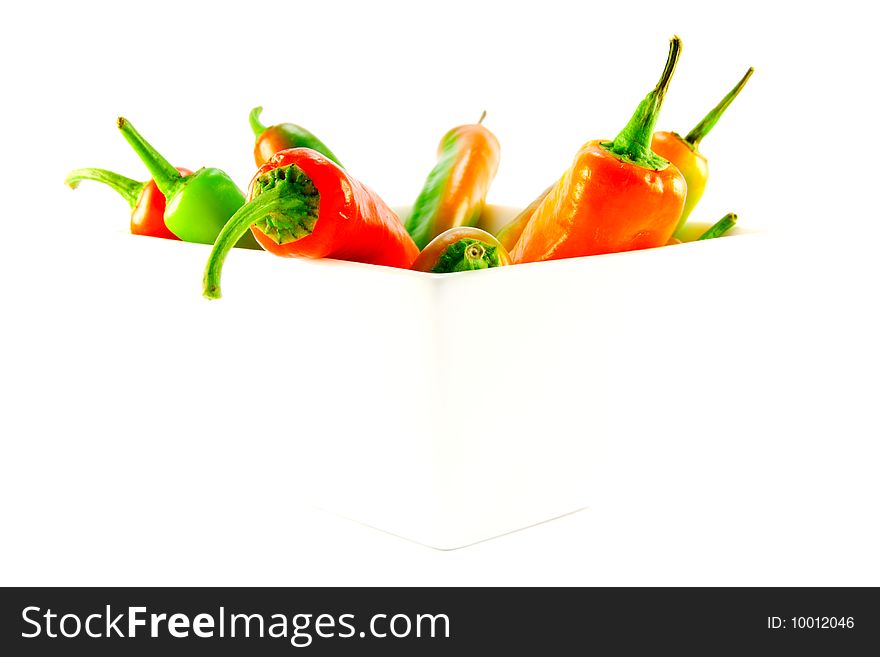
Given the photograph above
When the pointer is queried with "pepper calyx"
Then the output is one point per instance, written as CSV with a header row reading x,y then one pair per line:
x,y
645,159
633,144
295,201
467,254
284,207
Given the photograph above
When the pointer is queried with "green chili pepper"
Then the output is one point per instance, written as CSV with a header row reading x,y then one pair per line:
x,y
198,205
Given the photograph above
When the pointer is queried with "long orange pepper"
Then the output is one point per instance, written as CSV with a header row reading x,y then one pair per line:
x,y
302,204
455,191
617,196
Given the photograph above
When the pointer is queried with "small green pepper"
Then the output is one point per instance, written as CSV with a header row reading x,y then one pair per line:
x,y
197,205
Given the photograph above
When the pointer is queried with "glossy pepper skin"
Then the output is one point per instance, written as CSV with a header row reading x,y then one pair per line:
x,y
511,232
464,248
683,151
455,191
197,205
692,164
146,201
616,196
282,136
302,204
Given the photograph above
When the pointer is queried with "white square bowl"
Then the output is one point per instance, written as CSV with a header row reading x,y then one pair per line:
x,y
446,409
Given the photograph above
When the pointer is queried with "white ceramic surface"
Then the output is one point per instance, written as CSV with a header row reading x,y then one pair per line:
x,y
446,409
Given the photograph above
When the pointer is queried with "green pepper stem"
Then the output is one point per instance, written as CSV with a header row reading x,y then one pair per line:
x,y
238,224
166,176
720,227
634,141
695,136
129,189
257,125
287,208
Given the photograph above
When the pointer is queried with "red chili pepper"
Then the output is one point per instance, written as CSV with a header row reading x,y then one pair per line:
x,y
146,201
302,204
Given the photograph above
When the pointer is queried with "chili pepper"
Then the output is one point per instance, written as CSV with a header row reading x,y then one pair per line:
x,y
302,204
281,137
509,235
463,248
683,153
197,205
617,196
146,201
720,227
455,191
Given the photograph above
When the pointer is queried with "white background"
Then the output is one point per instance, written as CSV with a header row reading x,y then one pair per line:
x,y
782,489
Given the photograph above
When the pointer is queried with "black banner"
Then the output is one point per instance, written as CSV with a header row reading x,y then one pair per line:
x,y
444,621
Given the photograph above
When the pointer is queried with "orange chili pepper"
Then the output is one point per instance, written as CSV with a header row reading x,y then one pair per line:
x,y
683,153
455,191
617,196
463,248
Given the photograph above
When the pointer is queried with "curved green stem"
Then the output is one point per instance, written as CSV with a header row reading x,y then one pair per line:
x,y
482,116
720,227
129,189
634,141
166,176
695,136
234,230
286,210
257,125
